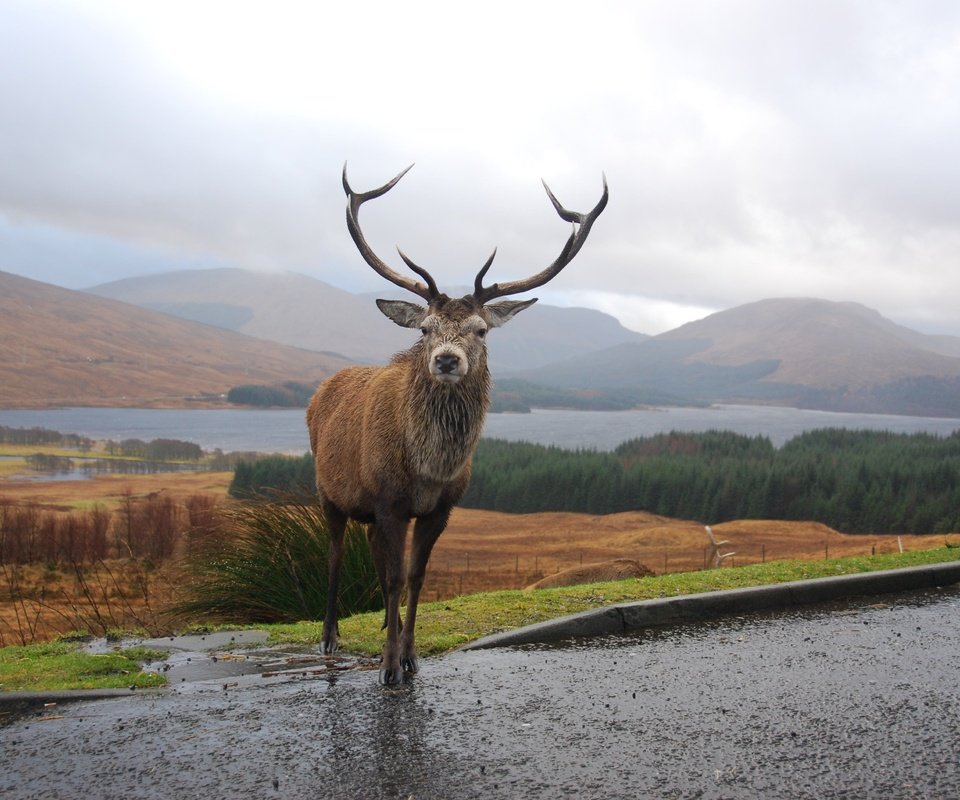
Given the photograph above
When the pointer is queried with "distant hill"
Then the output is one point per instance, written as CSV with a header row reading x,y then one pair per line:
x,y
304,312
803,352
62,347
822,344
286,307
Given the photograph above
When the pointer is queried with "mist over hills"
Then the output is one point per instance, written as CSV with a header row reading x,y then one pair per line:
x,y
63,347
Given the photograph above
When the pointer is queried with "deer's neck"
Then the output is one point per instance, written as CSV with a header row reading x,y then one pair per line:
x,y
445,422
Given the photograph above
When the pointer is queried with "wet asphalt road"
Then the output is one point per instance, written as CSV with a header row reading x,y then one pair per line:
x,y
853,700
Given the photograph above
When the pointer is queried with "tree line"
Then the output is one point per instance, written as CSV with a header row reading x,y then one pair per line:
x,y
45,436
853,481
155,450
291,475
289,394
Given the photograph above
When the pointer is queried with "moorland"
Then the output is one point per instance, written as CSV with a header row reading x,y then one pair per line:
x,y
132,586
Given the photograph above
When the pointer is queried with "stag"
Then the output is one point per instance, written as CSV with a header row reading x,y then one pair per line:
x,y
394,443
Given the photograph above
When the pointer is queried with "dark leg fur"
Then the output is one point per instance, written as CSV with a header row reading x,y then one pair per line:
x,y
388,546
426,531
336,523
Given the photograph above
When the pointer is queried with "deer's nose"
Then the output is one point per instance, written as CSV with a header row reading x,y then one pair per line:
x,y
447,363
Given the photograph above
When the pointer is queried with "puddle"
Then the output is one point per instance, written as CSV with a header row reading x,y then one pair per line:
x,y
228,659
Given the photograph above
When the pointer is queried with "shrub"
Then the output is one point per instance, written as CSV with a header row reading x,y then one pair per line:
x,y
268,563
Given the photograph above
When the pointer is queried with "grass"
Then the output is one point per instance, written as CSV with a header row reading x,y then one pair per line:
x,y
443,625
60,665
446,624
269,564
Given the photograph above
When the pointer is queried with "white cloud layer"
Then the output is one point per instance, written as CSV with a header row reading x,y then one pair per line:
x,y
753,149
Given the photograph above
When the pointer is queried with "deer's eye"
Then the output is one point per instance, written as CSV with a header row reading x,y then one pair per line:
x,y
424,331
481,332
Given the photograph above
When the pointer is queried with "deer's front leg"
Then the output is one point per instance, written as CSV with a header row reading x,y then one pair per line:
x,y
388,548
426,531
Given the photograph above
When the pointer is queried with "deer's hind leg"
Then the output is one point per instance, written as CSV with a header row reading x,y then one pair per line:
x,y
336,524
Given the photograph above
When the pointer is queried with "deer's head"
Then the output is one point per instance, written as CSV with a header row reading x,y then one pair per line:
x,y
454,330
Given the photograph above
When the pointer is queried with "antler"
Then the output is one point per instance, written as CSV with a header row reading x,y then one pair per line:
x,y
581,228
354,200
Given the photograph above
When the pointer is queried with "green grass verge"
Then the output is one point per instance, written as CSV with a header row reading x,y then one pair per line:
x,y
443,625
447,624
59,665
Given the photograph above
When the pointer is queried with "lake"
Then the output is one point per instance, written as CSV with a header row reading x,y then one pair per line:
x,y
284,430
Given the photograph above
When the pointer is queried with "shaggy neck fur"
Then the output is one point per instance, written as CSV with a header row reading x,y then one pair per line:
x,y
444,421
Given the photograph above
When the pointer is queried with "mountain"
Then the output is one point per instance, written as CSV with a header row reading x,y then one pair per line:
x,y
296,310
63,347
818,343
803,352
286,307
60,346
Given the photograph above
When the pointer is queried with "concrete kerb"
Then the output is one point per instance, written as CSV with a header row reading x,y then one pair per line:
x,y
630,617
13,704
617,619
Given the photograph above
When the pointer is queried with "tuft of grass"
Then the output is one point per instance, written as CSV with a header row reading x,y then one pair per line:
x,y
60,665
268,563
446,624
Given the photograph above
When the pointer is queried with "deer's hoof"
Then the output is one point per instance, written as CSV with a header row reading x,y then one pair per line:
x,y
328,647
409,664
391,677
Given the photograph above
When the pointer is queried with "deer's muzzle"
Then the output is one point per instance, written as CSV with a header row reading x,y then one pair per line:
x,y
448,364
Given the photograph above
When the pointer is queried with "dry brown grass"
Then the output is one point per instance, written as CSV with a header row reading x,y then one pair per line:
x,y
480,550
483,550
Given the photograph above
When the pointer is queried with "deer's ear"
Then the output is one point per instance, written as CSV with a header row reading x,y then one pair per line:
x,y
498,314
406,315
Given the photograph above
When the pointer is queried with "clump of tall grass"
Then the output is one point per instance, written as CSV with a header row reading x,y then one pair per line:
x,y
267,562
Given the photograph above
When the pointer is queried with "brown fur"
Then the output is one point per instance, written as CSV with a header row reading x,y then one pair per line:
x,y
394,443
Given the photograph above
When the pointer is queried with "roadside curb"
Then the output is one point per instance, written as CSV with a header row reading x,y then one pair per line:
x,y
16,703
629,617
611,620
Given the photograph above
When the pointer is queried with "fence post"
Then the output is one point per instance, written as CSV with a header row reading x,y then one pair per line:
x,y
763,554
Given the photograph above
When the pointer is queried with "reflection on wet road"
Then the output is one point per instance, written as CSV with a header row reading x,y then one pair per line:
x,y
854,700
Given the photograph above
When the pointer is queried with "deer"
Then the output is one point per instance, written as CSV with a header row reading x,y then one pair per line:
x,y
394,443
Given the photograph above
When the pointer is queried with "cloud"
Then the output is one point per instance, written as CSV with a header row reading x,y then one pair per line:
x,y
753,149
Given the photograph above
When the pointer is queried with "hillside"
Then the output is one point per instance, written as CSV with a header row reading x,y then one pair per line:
x,y
286,307
304,312
61,347
802,352
820,344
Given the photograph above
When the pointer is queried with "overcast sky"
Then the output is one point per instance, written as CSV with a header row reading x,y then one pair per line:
x,y
753,149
